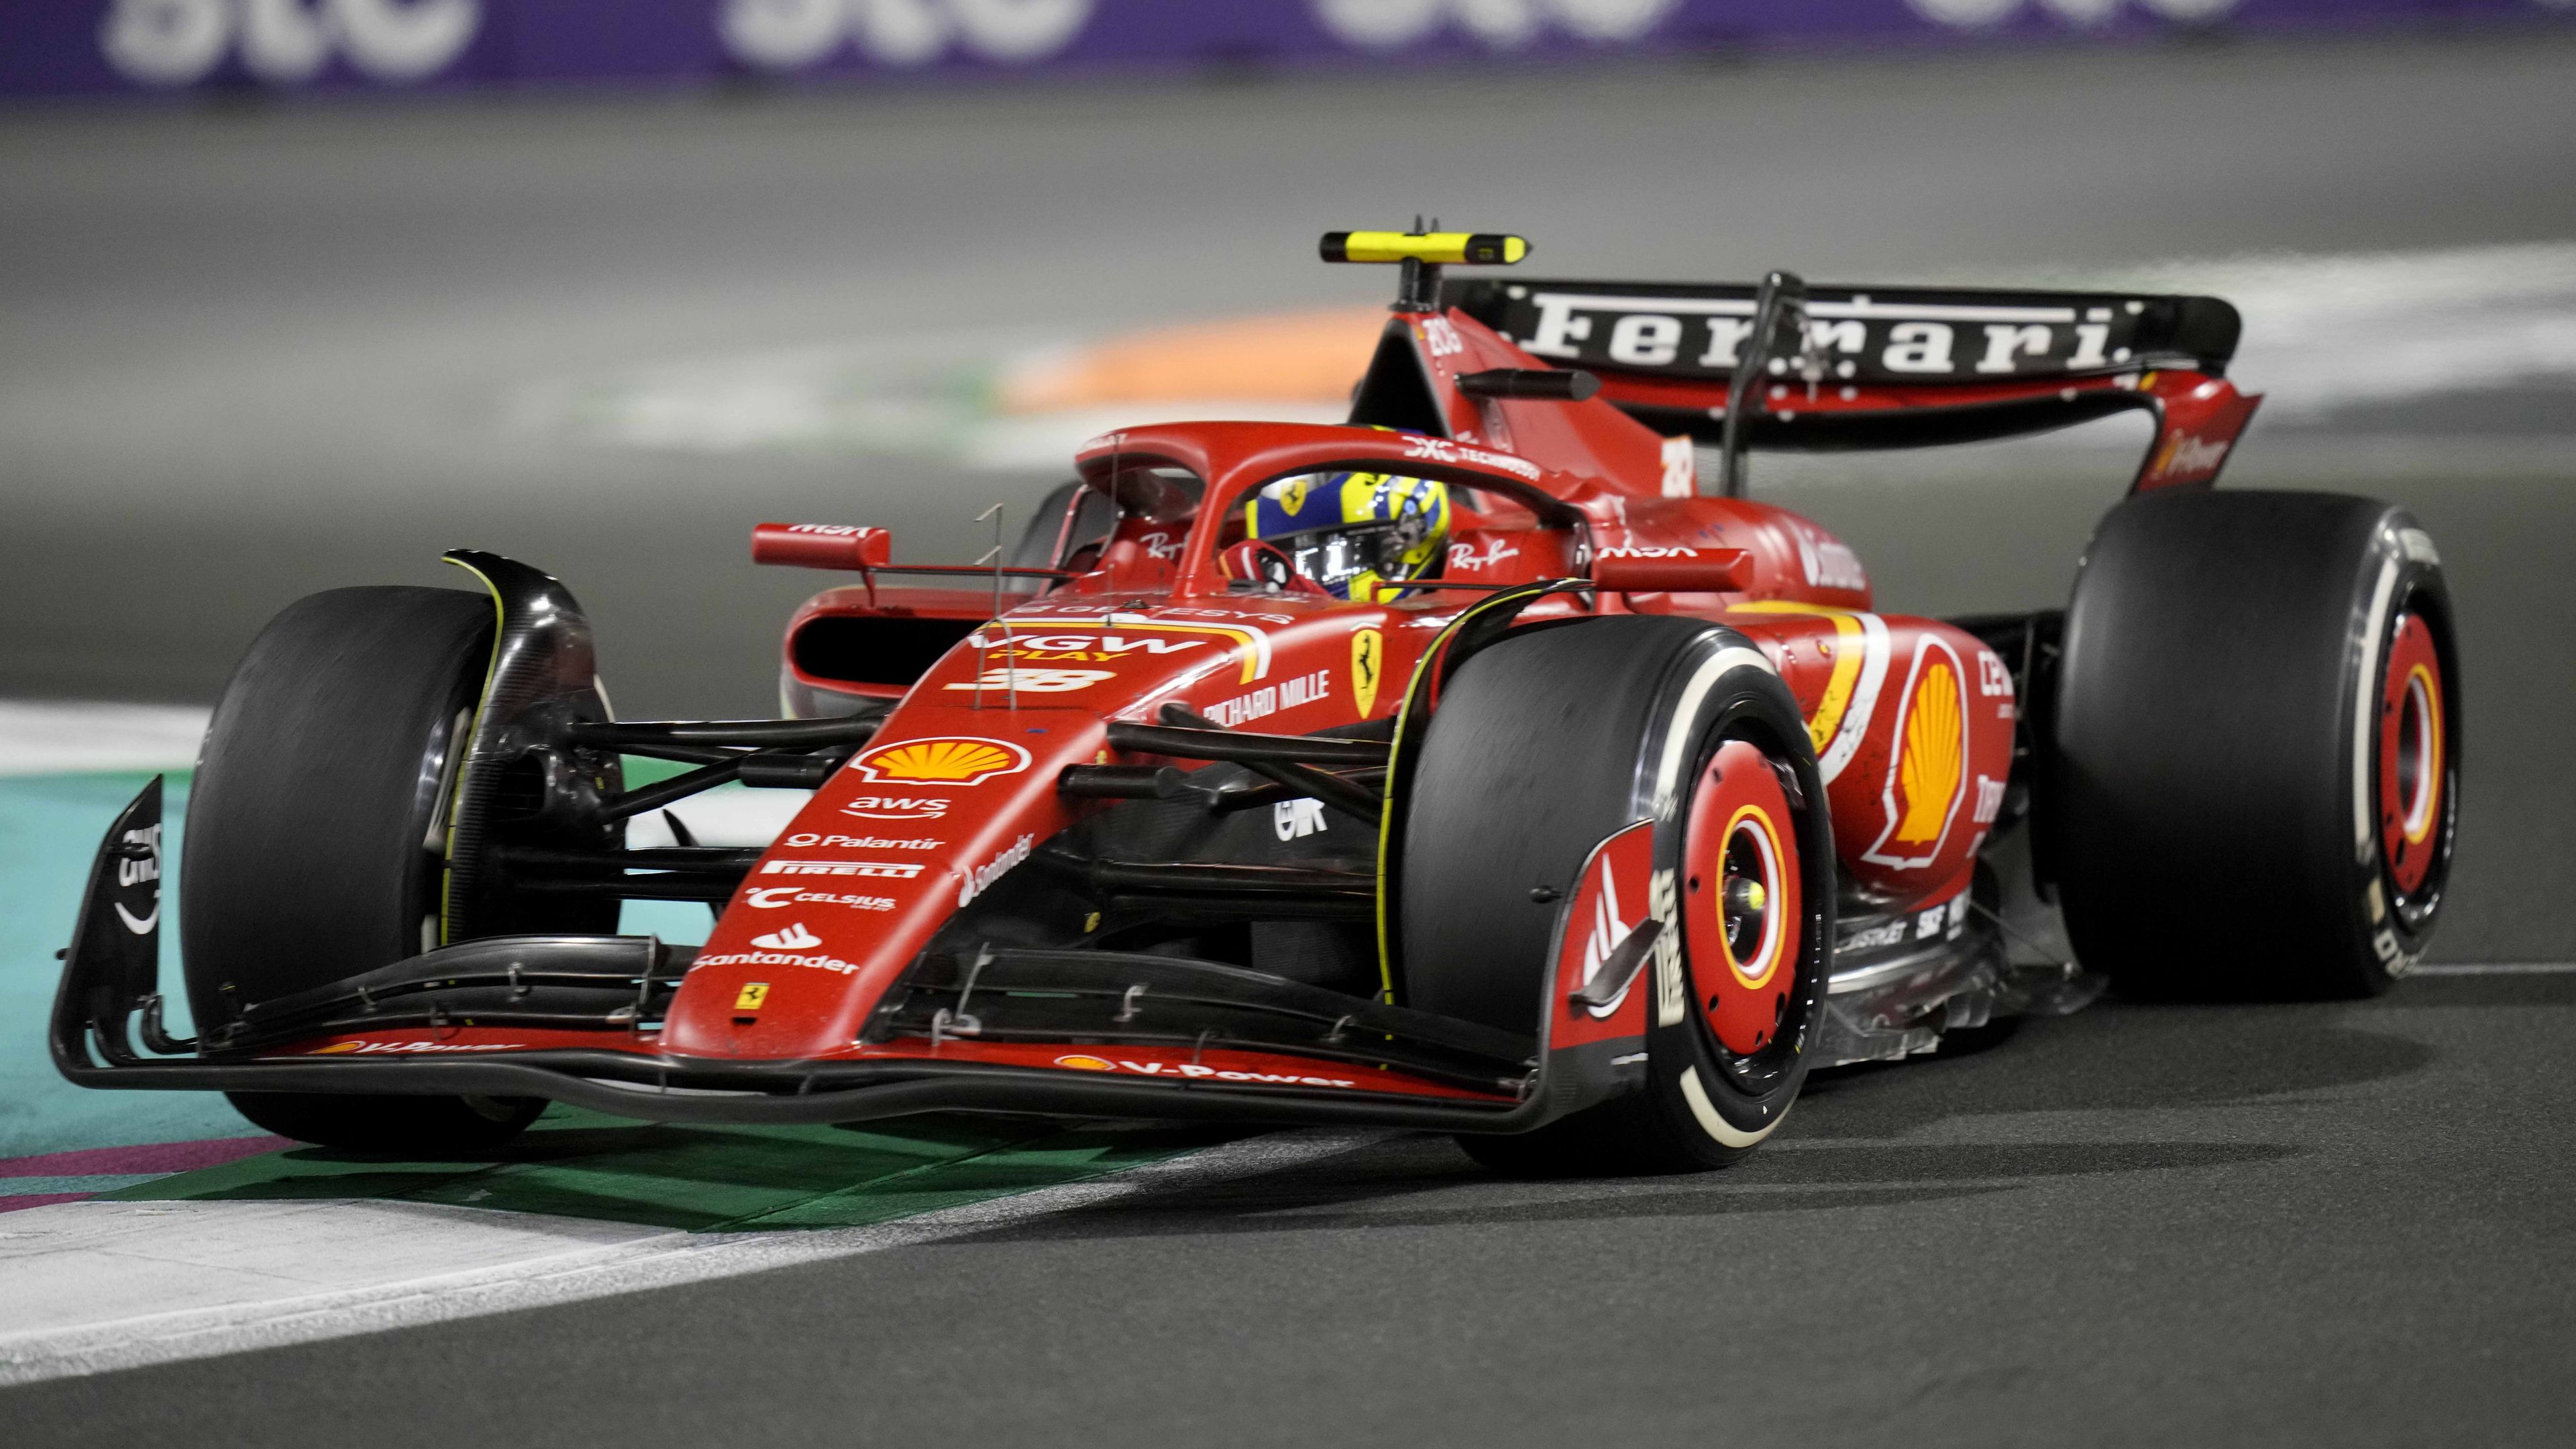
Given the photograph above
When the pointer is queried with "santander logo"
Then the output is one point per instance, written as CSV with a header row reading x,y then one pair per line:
x,y
793,938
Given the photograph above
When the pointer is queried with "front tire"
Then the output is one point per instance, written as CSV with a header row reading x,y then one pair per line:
x,y
316,833
1543,745
2255,783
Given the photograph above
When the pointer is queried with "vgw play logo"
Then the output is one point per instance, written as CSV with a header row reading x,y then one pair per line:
x,y
285,42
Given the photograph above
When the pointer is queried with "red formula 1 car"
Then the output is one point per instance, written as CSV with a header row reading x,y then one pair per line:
x,y
1469,767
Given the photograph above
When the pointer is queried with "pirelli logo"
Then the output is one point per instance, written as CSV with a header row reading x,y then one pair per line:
x,y
881,869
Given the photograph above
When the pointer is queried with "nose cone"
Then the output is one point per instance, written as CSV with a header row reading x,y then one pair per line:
x,y
883,855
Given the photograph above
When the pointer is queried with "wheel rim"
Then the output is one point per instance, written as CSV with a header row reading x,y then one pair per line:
x,y
1742,900
2414,762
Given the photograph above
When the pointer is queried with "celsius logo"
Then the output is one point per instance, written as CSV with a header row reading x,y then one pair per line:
x,y
792,34
284,42
779,898
1501,24
794,938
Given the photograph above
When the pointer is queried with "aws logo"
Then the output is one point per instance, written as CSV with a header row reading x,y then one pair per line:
x,y
793,34
1928,777
285,42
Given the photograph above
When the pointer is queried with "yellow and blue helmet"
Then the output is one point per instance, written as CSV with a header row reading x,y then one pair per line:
x,y
1357,536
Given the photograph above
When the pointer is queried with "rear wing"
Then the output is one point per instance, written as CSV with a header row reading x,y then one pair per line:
x,y
1781,364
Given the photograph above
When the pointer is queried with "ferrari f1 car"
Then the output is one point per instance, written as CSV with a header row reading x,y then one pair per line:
x,y
1491,764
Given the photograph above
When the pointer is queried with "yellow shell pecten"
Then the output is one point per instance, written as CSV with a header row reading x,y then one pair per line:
x,y
949,761
1928,774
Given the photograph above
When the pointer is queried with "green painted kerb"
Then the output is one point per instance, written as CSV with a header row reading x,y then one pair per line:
x,y
581,1164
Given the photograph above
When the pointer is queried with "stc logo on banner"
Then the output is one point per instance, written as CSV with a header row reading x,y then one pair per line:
x,y
1970,14
174,42
790,34
1388,24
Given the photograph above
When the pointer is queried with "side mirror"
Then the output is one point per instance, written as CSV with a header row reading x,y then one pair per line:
x,y
1676,571
821,546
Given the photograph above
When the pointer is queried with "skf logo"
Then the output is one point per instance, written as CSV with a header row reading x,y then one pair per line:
x,y
752,996
1368,651
947,760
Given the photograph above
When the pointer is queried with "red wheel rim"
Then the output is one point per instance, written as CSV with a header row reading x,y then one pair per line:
x,y
2413,762
1741,898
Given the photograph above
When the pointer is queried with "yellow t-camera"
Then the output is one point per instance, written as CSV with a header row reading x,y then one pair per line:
x,y
1468,248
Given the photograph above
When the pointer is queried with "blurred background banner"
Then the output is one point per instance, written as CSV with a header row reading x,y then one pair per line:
x,y
144,47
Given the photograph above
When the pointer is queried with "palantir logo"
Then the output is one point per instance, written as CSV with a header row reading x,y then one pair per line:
x,y
175,42
792,34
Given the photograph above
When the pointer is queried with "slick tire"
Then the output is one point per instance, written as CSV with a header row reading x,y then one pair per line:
x,y
1545,744
2254,784
316,832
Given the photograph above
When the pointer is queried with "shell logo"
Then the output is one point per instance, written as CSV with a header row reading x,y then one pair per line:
x,y
1926,779
949,760
1086,1064
1927,773
335,1047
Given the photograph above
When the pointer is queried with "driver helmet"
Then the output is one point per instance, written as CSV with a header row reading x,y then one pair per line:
x,y
1357,536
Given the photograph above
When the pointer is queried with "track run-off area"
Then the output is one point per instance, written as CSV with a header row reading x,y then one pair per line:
x,y
248,355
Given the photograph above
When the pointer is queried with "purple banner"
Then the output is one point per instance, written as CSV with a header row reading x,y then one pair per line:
x,y
143,47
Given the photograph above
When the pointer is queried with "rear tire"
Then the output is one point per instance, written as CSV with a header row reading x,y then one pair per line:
x,y
1543,745
316,833
2255,783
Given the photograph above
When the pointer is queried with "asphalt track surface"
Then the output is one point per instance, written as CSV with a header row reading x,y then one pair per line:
x,y
2337,1225
244,356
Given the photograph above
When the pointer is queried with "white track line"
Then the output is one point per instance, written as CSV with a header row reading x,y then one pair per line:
x,y
2497,968
558,1275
